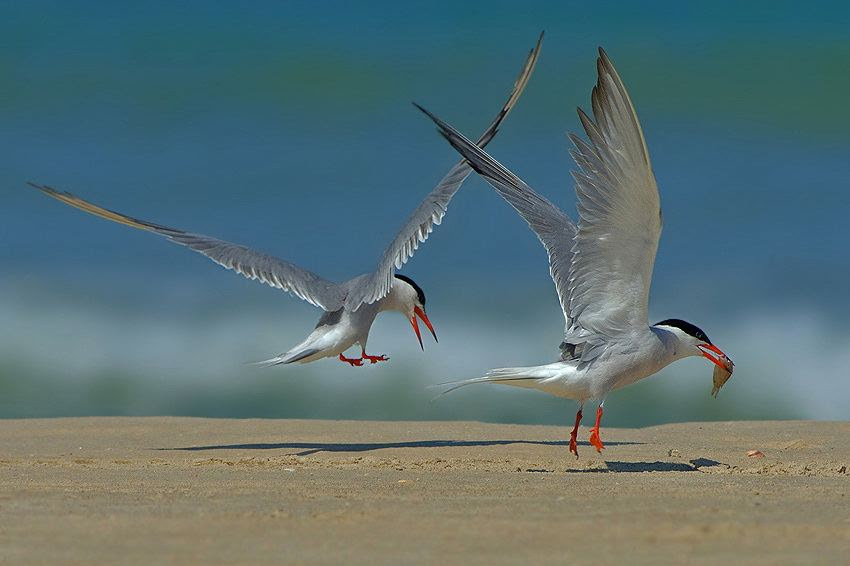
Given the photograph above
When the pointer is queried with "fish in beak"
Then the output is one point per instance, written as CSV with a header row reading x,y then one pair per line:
x,y
415,324
717,356
724,368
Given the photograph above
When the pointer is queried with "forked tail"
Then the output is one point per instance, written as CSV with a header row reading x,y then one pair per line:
x,y
287,358
519,377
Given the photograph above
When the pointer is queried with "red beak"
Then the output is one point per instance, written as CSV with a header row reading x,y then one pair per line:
x,y
415,324
721,359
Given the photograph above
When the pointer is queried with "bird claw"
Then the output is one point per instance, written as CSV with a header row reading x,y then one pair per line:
x,y
353,361
574,434
573,445
375,359
595,440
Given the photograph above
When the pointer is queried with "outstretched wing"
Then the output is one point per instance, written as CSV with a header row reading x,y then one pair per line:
x,y
430,211
619,215
252,264
554,228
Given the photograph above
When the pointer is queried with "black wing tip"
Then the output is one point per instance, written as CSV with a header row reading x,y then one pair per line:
x,y
604,63
426,112
48,190
454,138
40,187
441,125
518,87
461,146
422,108
603,56
534,52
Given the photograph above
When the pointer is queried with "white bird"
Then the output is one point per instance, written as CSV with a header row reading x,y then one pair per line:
x,y
349,307
602,268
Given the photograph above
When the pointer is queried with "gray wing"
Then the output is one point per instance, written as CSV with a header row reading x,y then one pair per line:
x,y
252,264
430,211
619,215
554,228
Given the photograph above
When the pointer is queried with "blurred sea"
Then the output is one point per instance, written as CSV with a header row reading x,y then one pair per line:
x,y
288,127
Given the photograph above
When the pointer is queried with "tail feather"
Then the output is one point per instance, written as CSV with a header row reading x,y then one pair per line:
x,y
507,376
287,358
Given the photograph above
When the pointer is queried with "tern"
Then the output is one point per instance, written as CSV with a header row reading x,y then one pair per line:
x,y
602,267
349,307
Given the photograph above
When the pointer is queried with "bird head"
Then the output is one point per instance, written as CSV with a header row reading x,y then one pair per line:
x,y
695,342
410,300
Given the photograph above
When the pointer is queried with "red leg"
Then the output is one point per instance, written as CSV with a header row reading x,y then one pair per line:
x,y
594,432
352,361
374,359
574,434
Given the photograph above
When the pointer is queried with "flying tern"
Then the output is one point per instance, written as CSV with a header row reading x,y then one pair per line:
x,y
602,267
349,307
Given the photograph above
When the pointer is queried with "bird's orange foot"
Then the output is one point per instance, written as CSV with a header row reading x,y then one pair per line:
x,y
574,435
594,439
352,361
573,445
375,359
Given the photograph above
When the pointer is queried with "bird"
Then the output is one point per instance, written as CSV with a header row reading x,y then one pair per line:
x,y
601,266
350,307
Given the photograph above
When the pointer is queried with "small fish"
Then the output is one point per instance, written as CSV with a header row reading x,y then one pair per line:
x,y
721,376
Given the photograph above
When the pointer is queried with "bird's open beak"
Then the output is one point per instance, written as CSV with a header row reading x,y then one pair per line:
x,y
415,324
717,356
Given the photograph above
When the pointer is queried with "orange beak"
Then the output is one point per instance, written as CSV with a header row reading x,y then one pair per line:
x,y
720,359
415,324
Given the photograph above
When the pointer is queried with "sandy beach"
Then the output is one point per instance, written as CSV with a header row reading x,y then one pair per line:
x,y
172,490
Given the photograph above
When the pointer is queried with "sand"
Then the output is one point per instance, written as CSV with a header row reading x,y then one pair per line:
x,y
175,490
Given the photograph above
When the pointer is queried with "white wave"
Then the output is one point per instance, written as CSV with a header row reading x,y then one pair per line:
x,y
799,358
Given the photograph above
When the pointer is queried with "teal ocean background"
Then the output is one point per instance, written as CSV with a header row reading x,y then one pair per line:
x,y
288,127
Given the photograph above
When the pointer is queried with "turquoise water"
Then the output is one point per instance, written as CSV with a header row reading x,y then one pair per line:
x,y
289,127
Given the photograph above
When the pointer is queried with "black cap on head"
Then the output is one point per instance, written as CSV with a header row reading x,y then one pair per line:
x,y
419,292
685,327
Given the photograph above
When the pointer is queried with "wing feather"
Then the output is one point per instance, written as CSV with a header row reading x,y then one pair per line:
x,y
554,229
432,209
252,264
619,215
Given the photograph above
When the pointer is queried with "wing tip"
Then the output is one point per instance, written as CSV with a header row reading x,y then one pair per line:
x,y
604,59
442,127
539,41
46,189
428,113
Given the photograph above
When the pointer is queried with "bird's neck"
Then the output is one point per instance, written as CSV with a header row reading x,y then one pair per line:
x,y
673,348
393,301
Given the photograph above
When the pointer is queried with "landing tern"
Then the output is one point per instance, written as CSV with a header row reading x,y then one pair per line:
x,y
602,268
349,307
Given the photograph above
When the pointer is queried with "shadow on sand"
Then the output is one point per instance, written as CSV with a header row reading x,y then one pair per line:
x,y
308,448
692,466
314,447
